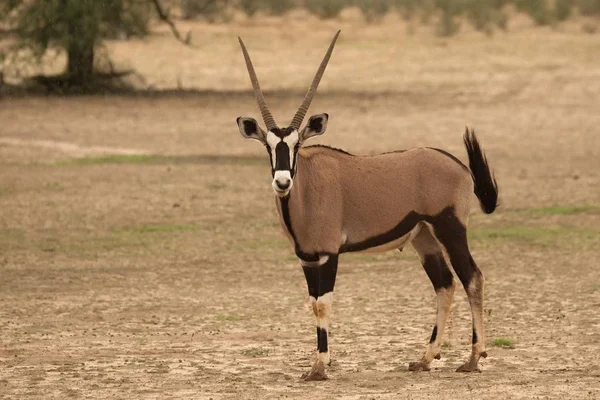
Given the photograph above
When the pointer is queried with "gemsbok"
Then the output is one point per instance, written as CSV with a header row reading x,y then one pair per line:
x,y
332,202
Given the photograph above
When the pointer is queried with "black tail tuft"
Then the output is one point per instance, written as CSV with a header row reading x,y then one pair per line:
x,y
486,188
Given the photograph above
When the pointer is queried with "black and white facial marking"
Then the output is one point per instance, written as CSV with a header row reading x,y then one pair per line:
x,y
282,145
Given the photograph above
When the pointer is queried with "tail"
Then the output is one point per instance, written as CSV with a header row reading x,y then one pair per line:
x,y
486,188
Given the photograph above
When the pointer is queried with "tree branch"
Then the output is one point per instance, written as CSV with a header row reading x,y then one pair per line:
x,y
165,17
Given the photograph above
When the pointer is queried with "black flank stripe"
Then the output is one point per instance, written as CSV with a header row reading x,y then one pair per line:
x,y
403,227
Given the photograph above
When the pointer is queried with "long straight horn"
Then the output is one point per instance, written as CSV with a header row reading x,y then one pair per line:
x,y
301,113
260,98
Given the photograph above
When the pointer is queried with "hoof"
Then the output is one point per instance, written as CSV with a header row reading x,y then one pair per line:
x,y
468,367
418,366
317,373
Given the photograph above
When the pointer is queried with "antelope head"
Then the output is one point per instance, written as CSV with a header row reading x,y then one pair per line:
x,y
283,143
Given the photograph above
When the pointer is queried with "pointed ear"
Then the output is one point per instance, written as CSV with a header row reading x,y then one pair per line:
x,y
250,129
316,126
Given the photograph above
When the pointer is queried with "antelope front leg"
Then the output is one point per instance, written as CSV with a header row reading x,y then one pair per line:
x,y
320,277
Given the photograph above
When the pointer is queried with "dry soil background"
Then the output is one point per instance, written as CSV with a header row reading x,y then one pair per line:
x,y
140,255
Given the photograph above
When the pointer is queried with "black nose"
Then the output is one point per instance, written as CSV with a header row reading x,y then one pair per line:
x,y
283,185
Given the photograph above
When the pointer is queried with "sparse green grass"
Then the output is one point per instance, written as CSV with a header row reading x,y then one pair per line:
x,y
503,342
565,210
54,186
532,234
154,228
216,186
228,317
163,159
111,159
255,352
12,239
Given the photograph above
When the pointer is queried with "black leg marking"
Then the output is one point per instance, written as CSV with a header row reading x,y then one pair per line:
x,y
437,270
322,340
433,334
312,280
439,274
327,273
453,235
320,281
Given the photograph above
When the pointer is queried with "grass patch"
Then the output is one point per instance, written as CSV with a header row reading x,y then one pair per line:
x,y
111,159
216,186
164,159
541,235
255,352
565,210
505,343
160,228
229,318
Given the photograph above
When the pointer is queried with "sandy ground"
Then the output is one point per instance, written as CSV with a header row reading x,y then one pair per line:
x,y
140,255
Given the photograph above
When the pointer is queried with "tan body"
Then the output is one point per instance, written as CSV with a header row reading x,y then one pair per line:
x,y
344,203
339,198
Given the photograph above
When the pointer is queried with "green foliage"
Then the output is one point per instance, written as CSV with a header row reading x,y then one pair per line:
x,y
450,9
278,7
589,7
485,14
74,27
562,10
210,10
65,23
326,9
374,10
408,8
249,7
538,10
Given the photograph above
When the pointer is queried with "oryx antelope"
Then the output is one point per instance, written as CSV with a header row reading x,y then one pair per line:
x,y
331,202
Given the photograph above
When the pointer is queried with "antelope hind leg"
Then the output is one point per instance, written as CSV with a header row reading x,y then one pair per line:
x,y
440,276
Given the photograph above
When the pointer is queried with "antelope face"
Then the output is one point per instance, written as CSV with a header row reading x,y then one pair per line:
x,y
282,145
